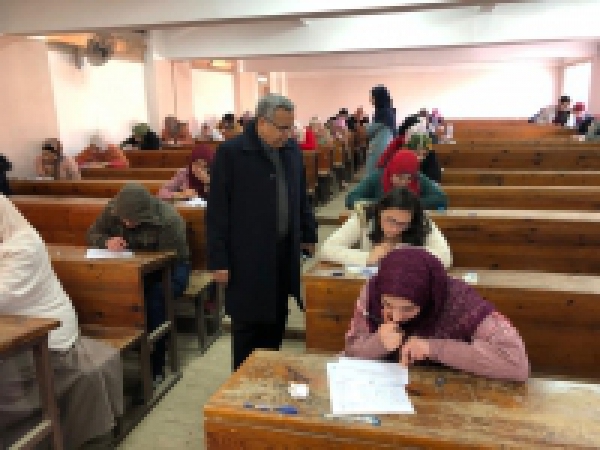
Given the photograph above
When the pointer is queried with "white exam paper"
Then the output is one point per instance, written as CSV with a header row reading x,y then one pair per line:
x,y
198,201
101,253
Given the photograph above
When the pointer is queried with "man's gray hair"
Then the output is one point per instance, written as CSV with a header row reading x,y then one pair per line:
x,y
267,105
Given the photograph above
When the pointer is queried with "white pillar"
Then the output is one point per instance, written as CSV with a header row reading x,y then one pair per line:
x,y
594,99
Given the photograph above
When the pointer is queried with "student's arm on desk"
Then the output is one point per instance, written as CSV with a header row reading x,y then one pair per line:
x,y
176,184
497,351
437,245
98,233
360,342
337,248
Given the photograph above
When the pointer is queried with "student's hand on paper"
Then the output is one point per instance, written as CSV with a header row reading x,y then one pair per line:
x,y
379,252
187,193
415,349
390,335
221,276
116,244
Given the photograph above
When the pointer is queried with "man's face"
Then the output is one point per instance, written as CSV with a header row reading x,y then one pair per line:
x,y
276,132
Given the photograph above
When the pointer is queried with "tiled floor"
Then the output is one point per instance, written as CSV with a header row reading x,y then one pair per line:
x,y
177,422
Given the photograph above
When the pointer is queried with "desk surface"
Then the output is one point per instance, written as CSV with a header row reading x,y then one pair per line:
x,y
19,331
73,253
453,410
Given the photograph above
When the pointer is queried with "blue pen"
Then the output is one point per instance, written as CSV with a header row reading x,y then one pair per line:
x,y
369,420
284,409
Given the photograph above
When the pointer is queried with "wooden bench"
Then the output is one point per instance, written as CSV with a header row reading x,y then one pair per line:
x,y
556,314
516,130
476,177
550,241
65,220
101,173
19,334
564,198
108,295
325,174
78,188
173,158
454,410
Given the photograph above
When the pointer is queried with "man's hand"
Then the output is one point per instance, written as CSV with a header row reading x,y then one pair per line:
x,y
310,248
221,276
390,336
116,244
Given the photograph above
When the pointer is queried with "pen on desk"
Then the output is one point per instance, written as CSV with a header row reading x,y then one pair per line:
x,y
369,420
283,409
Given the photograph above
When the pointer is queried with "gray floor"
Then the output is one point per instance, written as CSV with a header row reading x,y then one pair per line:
x,y
177,422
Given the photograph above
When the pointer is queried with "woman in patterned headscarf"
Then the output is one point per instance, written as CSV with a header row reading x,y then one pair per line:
x,y
412,312
53,163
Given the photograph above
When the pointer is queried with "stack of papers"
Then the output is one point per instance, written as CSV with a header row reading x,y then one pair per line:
x,y
101,253
359,386
195,202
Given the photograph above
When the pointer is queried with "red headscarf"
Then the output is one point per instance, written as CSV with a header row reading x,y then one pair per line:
x,y
206,153
389,151
450,308
404,162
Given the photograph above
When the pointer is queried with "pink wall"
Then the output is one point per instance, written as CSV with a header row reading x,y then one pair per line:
x,y
27,115
499,90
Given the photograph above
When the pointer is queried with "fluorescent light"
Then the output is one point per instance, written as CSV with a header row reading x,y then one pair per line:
x,y
220,64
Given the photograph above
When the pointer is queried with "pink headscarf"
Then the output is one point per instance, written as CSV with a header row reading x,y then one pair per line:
x,y
450,308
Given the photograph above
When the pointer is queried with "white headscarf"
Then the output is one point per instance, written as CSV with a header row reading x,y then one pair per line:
x,y
28,284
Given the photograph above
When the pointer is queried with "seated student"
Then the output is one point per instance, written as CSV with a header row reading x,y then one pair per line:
x,y
402,170
228,126
191,181
136,220
208,133
5,167
52,163
412,311
143,138
593,131
88,376
184,137
397,219
399,141
562,111
100,152
429,165
170,130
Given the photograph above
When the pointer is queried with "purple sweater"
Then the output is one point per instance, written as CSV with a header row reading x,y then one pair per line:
x,y
496,350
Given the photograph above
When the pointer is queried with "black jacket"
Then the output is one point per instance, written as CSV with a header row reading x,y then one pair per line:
x,y
430,166
151,141
5,166
241,223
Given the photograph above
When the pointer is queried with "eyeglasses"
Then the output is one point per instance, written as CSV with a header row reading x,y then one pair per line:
x,y
394,223
283,129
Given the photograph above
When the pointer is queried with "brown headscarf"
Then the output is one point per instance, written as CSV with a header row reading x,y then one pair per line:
x,y
450,308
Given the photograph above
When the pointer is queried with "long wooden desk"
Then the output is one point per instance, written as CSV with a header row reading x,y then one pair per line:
x,y
101,173
542,306
476,177
78,188
576,198
453,411
20,334
65,220
108,295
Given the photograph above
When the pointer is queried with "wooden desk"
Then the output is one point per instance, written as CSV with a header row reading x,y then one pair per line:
x,y
542,306
95,173
108,295
520,177
78,188
65,220
563,198
20,334
453,411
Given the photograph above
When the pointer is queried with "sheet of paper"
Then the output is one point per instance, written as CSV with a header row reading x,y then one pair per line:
x,y
376,368
101,253
195,202
366,390
366,271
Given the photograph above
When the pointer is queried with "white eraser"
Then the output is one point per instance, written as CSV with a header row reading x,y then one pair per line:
x,y
298,390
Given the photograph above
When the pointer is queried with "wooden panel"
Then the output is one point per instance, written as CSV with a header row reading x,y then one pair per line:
x,y
66,221
538,304
17,332
80,188
310,166
524,197
96,173
172,158
519,178
453,411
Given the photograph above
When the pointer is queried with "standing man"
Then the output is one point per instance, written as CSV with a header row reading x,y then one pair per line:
x,y
258,221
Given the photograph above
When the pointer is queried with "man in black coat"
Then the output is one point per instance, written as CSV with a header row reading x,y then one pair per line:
x,y
258,221
5,167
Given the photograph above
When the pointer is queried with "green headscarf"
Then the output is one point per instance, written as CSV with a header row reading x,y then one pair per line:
x,y
140,129
419,141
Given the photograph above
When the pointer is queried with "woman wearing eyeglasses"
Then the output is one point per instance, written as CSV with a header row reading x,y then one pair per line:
x,y
396,220
401,171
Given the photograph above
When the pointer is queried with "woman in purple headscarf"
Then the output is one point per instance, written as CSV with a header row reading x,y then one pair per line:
x,y
412,311
193,180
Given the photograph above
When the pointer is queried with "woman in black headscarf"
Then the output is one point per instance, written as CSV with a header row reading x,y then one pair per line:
x,y
381,131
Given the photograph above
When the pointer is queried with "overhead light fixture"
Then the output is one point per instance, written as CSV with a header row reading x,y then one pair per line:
x,y
262,79
220,64
37,38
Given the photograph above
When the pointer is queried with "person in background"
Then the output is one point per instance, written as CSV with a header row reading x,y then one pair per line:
x,y
100,152
209,134
381,132
245,119
184,137
170,130
310,137
404,131
413,312
357,119
563,111
5,167
401,171
53,163
420,143
88,375
435,125
593,131
228,126
137,221
258,220
544,116
397,219
581,119
192,181
143,138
